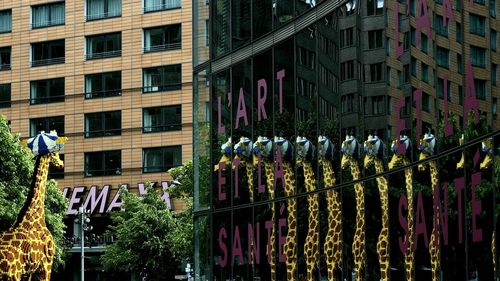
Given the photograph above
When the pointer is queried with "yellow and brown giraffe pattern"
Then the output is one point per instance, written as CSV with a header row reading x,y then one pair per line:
x,y
27,248
333,239
371,158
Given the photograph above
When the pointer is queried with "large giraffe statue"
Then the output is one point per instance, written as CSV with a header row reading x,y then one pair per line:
x,y
291,239
350,153
374,149
263,149
428,148
487,146
399,159
305,154
27,248
225,151
243,151
333,239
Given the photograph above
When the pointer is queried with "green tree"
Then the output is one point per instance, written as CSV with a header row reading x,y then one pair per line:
x,y
150,239
16,170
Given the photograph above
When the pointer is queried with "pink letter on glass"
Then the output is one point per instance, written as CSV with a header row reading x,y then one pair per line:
x,y
280,75
423,19
221,129
223,247
397,45
237,250
448,12
221,181
448,128
242,110
420,227
261,100
470,95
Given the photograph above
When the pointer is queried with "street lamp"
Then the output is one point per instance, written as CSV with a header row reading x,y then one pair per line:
x,y
83,220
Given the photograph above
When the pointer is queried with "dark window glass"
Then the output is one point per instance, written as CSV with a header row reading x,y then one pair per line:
x,y
441,29
347,70
101,9
440,89
5,57
424,43
494,74
443,57
425,72
347,37
478,56
55,173
104,46
163,78
480,87
162,38
477,24
426,102
101,85
47,91
47,15
282,12
47,124
103,124
161,159
374,7
459,63
5,21
161,119
220,24
459,32
377,105
4,95
158,5
103,163
493,40
493,8
47,53
347,103
262,16
241,24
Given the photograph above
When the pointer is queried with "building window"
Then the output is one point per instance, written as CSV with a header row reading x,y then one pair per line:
x,y
378,105
413,66
478,56
158,5
389,78
494,108
47,53
389,105
459,32
162,119
413,36
5,57
347,102
163,78
103,124
347,70
400,79
5,21
47,15
493,8
494,74
102,9
346,37
477,24
406,41
425,73
480,87
440,28
104,46
306,88
102,85
103,163
460,68
375,38
375,7
424,43
162,38
443,57
493,40
406,73
47,124
440,89
375,72
4,95
426,102
161,159
55,173
47,91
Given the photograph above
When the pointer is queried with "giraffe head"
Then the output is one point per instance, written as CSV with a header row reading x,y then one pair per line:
x,y
350,150
374,149
262,148
243,149
225,150
48,145
325,148
286,147
305,150
427,148
488,149
399,159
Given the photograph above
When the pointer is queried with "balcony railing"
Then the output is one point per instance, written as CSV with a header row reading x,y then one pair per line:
x,y
162,88
159,48
167,5
4,66
103,94
112,14
43,100
162,128
47,23
103,55
44,62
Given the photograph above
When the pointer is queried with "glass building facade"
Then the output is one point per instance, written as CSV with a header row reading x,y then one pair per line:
x,y
272,80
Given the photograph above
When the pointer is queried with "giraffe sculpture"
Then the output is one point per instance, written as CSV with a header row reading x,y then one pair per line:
x,y
243,151
487,147
263,149
291,239
27,248
333,239
225,150
350,151
305,154
374,149
402,159
427,148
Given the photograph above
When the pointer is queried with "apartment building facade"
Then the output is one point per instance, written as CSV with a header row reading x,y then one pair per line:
x,y
115,77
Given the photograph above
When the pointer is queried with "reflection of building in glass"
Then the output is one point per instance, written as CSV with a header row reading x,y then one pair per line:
x,y
318,69
114,77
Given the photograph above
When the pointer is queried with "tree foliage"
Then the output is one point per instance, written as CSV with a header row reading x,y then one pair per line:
x,y
16,170
150,239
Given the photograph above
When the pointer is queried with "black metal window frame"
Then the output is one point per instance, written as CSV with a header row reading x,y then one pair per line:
x,y
168,44
102,118
163,6
47,98
162,167
47,126
107,52
165,125
107,14
5,95
50,14
5,52
104,169
48,53
105,92
163,84
7,12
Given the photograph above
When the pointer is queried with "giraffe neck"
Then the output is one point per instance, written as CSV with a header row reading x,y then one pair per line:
x,y
309,176
434,246
410,255
249,171
269,168
328,174
33,208
383,240
434,173
358,248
